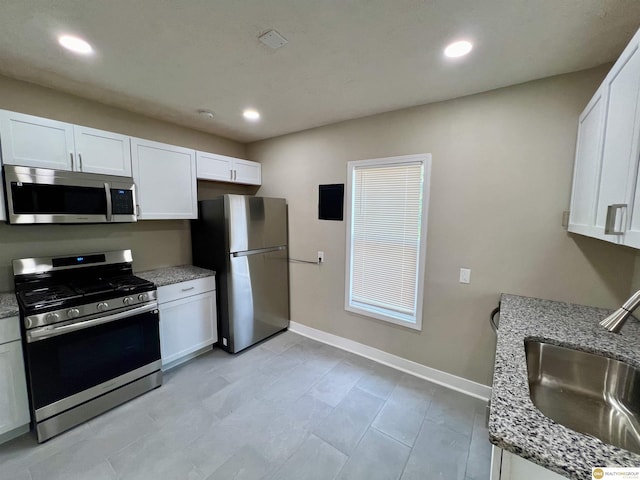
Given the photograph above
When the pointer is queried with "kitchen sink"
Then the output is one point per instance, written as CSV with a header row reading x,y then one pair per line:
x,y
588,393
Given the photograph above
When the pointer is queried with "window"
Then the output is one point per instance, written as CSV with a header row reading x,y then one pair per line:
x,y
386,237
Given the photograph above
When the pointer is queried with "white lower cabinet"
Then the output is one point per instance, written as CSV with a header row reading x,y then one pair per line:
x,y
14,404
188,320
507,466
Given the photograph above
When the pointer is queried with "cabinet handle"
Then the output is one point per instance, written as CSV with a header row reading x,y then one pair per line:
x,y
235,175
187,289
80,161
230,174
612,216
71,156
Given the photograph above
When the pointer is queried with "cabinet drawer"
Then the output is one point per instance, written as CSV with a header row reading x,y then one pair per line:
x,y
9,329
176,291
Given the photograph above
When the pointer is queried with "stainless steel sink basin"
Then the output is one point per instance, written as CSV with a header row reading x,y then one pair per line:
x,y
587,393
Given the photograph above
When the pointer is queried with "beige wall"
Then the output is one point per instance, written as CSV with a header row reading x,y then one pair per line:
x,y
501,176
154,243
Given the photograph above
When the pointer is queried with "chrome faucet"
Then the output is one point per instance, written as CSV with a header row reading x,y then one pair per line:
x,y
617,319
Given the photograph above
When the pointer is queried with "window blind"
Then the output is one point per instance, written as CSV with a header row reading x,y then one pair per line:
x,y
386,213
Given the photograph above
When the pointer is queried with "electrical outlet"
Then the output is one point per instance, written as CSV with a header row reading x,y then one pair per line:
x,y
465,275
320,257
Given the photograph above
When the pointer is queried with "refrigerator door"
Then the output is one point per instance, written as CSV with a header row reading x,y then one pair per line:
x,y
258,296
255,222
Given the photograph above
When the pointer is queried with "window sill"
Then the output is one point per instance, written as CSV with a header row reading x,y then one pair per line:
x,y
385,318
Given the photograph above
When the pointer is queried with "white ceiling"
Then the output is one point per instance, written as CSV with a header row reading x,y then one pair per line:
x,y
345,59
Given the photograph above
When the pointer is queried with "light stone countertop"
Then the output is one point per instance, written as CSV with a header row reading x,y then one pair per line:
x,y
515,424
170,275
8,305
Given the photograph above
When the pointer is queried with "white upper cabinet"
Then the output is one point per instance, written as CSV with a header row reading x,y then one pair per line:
x,y
247,172
36,142
3,212
165,177
102,152
586,175
620,146
211,166
604,201
43,143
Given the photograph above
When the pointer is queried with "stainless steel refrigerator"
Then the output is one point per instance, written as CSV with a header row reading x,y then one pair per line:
x,y
244,239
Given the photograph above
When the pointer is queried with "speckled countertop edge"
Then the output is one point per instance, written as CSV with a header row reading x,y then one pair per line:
x,y
8,305
170,275
515,424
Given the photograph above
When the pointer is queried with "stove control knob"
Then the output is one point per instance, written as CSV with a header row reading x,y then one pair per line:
x,y
73,312
52,317
127,300
102,306
143,297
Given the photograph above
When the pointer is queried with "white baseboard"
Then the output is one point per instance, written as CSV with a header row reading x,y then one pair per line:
x,y
448,380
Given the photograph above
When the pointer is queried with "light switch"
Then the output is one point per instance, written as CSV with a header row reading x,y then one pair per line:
x,y
465,275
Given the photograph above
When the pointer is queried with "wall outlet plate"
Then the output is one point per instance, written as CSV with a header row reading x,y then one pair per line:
x,y
465,275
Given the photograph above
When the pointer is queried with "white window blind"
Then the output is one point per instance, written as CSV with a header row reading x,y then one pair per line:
x,y
386,238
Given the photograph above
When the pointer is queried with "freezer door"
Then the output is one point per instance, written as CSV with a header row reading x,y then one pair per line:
x,y
255,222
258,296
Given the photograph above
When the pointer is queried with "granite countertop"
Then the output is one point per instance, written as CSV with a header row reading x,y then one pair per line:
x,y
515,424
170,275
8,305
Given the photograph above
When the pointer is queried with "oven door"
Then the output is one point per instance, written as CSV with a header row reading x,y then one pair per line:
x,y
71,364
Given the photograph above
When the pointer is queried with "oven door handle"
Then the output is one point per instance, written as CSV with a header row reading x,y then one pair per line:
x,y
47,332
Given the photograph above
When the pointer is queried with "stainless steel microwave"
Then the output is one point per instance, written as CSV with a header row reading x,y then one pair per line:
x,y
39,195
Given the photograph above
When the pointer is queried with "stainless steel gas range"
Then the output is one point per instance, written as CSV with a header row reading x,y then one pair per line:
x,y
91,336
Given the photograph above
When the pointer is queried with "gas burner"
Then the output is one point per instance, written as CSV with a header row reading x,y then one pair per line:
x,y
129,283
45,295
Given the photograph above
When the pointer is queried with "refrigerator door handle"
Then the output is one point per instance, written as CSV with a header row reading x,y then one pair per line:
x,y
246,253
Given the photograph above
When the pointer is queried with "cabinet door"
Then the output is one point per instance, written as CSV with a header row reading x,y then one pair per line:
x,y
102,152
214,167
36,142
517,468
586,170
187,325
247,172
165,176
620,148
14,406
3,212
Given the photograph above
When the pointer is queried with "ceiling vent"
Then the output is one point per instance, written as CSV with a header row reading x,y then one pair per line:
x,y
273,39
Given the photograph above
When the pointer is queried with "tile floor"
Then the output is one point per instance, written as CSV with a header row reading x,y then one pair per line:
x,y
288,409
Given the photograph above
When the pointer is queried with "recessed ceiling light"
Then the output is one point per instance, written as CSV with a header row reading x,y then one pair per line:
x,y
458,49
251,115
75,44
206,113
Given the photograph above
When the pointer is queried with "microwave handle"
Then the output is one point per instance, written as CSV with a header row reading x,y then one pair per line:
x,y
107,192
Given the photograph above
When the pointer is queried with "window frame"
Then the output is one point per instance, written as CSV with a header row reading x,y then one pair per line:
x,y
425,159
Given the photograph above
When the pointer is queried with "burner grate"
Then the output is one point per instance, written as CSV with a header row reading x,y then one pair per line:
x,y
43,295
